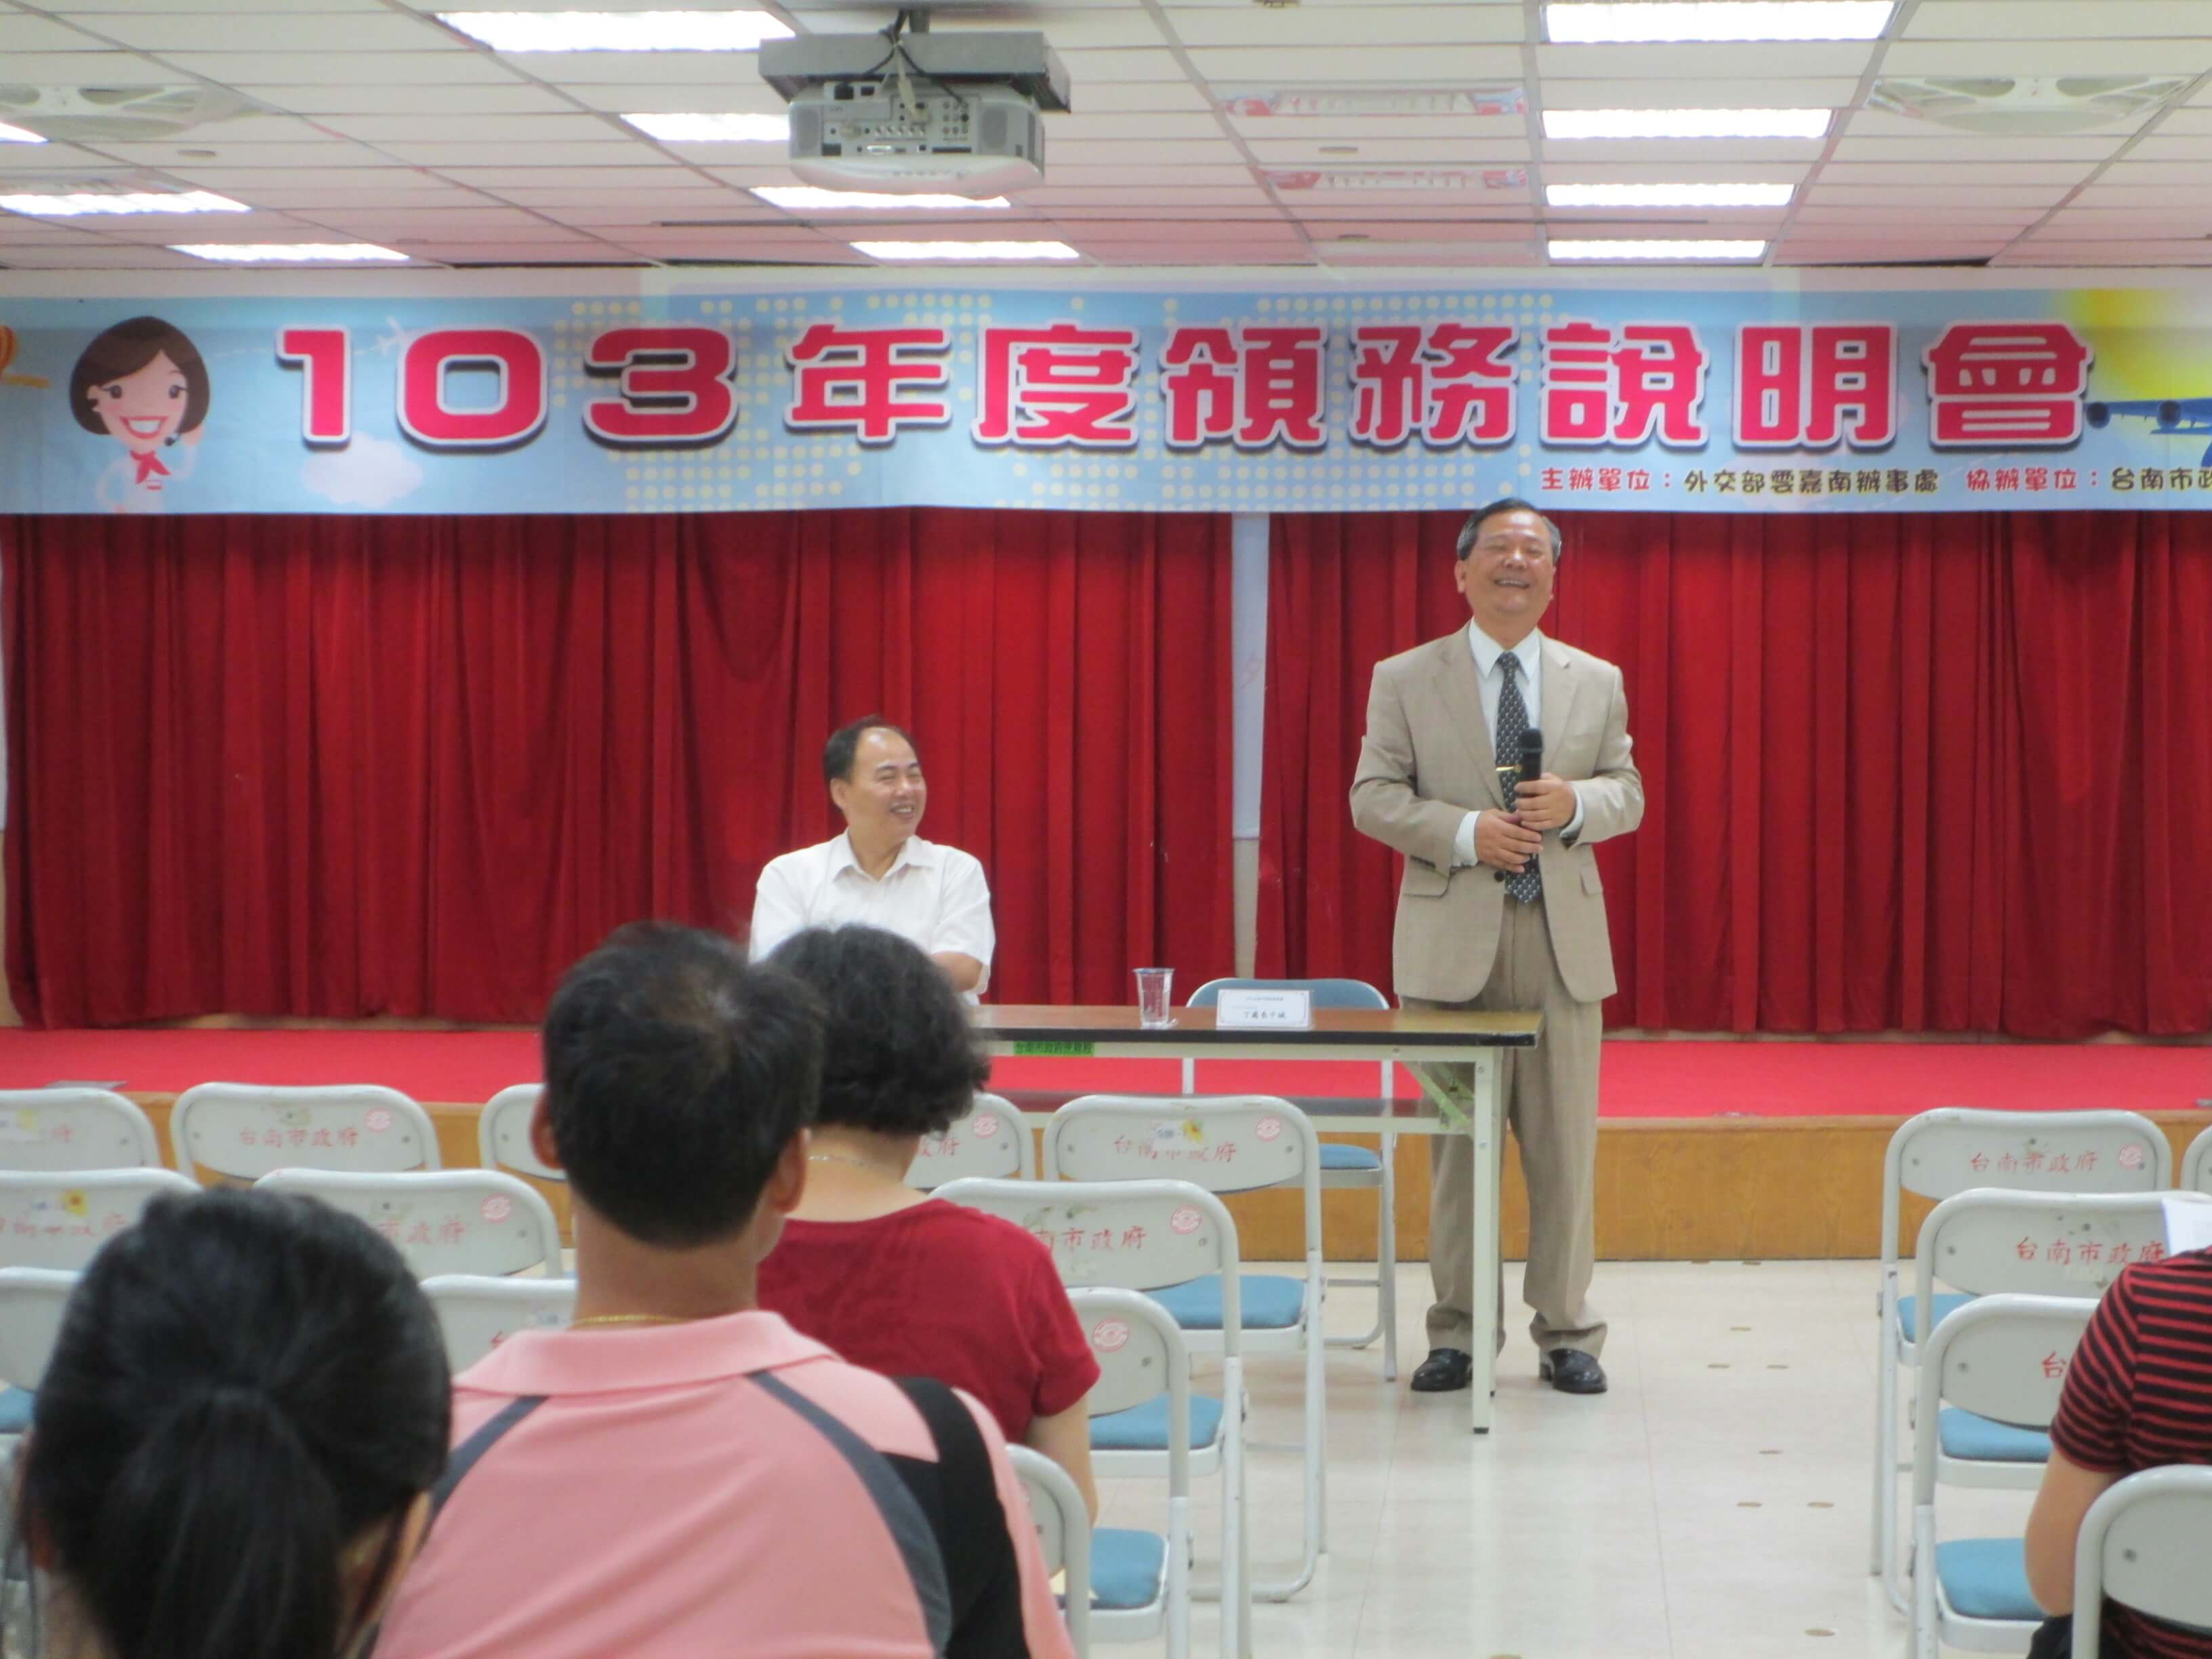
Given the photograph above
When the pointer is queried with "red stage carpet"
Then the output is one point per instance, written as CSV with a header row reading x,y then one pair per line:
x,y
1686,1079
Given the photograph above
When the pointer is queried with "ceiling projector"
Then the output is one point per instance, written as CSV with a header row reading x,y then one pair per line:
x,y
916,112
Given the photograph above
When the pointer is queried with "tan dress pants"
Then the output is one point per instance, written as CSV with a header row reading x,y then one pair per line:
x,y
1549,1094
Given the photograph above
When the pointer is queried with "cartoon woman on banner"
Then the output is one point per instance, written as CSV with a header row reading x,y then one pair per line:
x,y
144,385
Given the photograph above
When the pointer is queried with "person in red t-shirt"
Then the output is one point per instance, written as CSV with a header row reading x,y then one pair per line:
x,y
2138,1395
894,1279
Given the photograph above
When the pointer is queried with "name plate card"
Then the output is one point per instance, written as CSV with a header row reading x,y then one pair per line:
x,y
1272,1011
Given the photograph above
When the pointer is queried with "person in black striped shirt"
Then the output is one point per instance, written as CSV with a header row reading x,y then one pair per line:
x,y
2138,1395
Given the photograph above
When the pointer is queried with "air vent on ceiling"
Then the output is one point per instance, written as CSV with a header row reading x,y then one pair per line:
x,y
2003,104
117,114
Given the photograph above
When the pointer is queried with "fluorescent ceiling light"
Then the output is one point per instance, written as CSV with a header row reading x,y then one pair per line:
x,y
69,207
18,135
1569,20
967,250
1624,248
252,253
1665,196
714,129
803,197
1686,123
617,31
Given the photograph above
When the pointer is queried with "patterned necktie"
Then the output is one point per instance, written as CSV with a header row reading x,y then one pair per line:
x,y
1527,885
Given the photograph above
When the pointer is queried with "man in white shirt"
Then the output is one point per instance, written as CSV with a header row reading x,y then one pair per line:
x,y
879,871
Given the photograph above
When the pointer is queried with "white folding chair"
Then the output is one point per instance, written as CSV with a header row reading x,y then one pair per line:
x,y
2143,1544
477,1314
60,1219
1226,1144
443,1221
2003,1357
990,1140
1147,1236
1994,1241
1341,1165
1954,1150
75,1129
503,1133
32,1302
2197,1164
244,1130
1063,1530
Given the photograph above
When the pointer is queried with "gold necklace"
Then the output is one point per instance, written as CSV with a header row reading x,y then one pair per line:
x,y
628,1319
844,1157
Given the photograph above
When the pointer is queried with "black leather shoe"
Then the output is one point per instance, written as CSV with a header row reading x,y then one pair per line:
x,y
1569,1370
1445,1371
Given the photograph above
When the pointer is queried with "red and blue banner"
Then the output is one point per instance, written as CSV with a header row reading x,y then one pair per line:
x,y
1739,401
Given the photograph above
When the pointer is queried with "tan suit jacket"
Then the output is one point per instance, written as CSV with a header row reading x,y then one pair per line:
x,y
1426,762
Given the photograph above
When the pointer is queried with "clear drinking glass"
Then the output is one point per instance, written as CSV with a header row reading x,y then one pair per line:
x,y
1153,986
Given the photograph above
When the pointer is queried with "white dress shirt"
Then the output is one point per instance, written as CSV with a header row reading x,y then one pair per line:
x,y
934,896
1529,654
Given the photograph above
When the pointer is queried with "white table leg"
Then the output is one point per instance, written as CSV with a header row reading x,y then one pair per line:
x,y
1483,1126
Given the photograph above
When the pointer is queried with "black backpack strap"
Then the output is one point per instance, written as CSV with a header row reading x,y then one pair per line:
x,y
959,1494
919,1542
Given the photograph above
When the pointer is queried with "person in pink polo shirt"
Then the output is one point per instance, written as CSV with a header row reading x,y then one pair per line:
x,y
680,1473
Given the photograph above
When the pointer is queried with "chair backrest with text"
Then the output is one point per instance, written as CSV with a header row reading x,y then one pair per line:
x,y
32,1302
2143,1544
75,1129
59,1219
244,1130
1998,1242
1128,1235
503,1133
477,1314
990,1140
443,1221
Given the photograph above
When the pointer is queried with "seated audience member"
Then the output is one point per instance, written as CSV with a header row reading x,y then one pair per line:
x,y
680,1473
235,1438
2138,1395
891,1279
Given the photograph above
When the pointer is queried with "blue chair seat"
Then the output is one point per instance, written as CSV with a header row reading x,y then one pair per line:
x,y
1128,1570
1145,1428
15,1410
1271,1302
1962,1434
1336,1155
1908,1313
1986,1578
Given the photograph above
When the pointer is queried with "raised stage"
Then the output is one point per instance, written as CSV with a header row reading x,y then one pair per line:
x,y
1706,1149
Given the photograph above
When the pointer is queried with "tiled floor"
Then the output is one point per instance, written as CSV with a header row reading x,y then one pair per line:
x,y
1713,1505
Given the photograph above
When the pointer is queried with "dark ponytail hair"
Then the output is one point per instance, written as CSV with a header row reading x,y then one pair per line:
x,y
246,1384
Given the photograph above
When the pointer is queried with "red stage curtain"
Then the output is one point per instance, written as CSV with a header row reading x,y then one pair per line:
x,y
1903,772
355,766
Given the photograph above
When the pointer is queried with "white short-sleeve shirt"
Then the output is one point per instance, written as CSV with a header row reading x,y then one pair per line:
x,y
935,896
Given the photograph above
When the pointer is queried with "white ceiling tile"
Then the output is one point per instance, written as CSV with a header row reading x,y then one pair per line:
x,y
21,34
1089,68
449,69
1501,254
312,98
669,203
1916,174
82,69
2130,171
1374,25
57,159
1131,152
740,95
638,68
226,29
1939,146
2184,120
1124,125
1904,194
466,129
248,184
1389,152
1434,233
2005,55
20,230
2166,145
1075,28
1741,63
1136,97
1077,175
1166,213
321,153
1631,93
1347,65
106,256
1356,129
611,151
2104,195
1146,195
2018,19
1558,171
668,176
93,11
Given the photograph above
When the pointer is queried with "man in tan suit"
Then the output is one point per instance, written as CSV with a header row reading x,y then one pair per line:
x,y
1501,908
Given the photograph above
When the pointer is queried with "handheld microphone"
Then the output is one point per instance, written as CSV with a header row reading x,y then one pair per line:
x,y
1532,757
